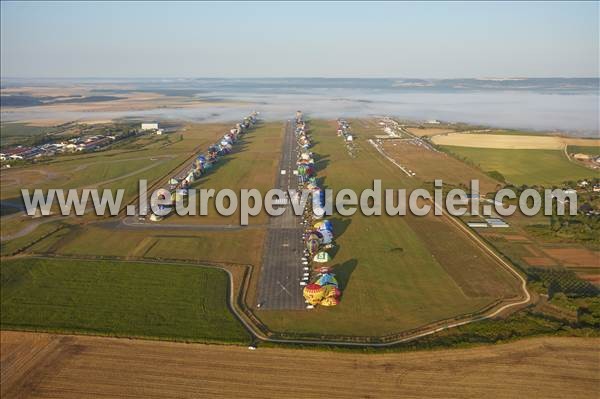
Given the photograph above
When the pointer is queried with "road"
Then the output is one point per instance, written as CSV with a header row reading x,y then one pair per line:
x,y
281,271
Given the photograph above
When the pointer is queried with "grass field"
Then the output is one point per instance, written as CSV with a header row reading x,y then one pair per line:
x,y
9,247
43,366
15,132
251,165
243,246
394,273
543,167
578,149
149,157
430,165
429,131
117,298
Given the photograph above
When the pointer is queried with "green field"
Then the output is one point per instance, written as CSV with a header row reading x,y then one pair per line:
x,y
15,132
590,150
531,167
176,302
150,157
252,165
396,273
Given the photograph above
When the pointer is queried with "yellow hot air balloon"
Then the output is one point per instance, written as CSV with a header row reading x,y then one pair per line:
x,y
313,293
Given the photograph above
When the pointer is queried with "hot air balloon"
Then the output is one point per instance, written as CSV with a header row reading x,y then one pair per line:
x,y
313,293
318,213
312,245
324,225
326,236
331,291
327,279
331,301
322,257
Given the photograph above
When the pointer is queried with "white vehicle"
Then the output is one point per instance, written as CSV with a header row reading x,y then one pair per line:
x,y
310,307
252,347
302,283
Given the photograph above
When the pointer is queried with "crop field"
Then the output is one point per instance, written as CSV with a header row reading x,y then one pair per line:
x,y
430,165
499,141
45,365
543,167
532,251
393,273
118,298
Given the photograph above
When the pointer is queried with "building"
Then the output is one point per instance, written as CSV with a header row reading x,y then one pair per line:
x,y
496,222
477,224
150,126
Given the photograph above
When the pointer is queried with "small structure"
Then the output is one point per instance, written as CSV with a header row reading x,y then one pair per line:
x,y
149,126
495,222
582,157
477,224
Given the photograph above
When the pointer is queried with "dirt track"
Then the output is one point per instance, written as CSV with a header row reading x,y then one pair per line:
x,y
43,365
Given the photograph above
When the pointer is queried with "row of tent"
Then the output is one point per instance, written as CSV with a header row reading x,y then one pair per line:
x,y
345,131
318,235
204,162
180,183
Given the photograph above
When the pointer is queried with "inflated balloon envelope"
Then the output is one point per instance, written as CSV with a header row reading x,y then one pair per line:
x,y
322,257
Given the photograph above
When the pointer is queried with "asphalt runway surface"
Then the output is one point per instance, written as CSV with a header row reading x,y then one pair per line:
x,y
282,270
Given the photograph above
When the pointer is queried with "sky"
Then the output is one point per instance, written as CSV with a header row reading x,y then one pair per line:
x,y
299,39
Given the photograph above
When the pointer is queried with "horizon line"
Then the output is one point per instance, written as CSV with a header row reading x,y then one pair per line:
x,y
302,77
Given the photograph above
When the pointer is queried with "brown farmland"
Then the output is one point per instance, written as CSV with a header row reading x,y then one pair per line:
x,y
42,366
575,257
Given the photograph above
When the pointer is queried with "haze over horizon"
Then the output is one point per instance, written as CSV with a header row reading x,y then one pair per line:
x,y
239,40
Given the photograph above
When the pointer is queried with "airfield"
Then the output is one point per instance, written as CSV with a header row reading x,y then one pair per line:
x,y
391,284
209,280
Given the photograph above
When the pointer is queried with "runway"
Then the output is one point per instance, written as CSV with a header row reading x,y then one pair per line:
x,y
281,271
